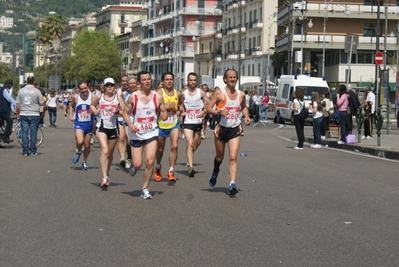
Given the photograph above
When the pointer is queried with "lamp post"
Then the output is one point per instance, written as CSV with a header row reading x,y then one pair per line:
x,y
347,12
268,47
310,25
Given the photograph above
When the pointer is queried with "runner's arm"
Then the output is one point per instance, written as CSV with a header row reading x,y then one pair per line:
x,y
244,109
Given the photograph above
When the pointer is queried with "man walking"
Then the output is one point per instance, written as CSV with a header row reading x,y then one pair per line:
x,y
29,100
7,105
230,103
369,109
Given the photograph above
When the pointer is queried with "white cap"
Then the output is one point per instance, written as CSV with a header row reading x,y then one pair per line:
x,y
109,80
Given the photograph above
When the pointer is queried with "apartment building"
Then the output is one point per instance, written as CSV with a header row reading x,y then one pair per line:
x,y
325,40
6,22
169,34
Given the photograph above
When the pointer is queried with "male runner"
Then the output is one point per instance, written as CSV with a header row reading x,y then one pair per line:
x,y
230,105
140,114
121,124
205,88
193,110
83,119
170,127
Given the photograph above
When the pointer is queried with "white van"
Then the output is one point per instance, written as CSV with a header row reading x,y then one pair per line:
x,y
286,94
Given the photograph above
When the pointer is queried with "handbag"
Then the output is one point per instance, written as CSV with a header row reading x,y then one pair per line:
x,y
304,111
351,139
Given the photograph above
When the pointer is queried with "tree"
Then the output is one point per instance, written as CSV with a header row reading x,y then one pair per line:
x,y
44,38
95,56
5,71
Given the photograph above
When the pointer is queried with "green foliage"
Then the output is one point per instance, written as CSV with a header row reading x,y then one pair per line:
x,y
95,56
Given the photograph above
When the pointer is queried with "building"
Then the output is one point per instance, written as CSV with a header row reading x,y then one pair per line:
x,y
5,57
170,32
6,22
249,29
331,30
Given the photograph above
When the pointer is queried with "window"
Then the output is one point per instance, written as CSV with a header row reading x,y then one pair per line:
x,y
122,30
364,58
255,14
201,3
250,16
122,18
261,13
370,29
259,40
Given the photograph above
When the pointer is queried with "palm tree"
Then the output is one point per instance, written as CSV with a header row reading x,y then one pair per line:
x,y
56,26
43,37
5,70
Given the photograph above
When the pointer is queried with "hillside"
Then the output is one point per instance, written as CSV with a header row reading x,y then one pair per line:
x,y
26,12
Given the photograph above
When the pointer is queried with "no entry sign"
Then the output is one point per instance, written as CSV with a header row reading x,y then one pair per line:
x,y
378,58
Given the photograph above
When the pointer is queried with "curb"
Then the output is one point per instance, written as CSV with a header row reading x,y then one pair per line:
x,y
358,148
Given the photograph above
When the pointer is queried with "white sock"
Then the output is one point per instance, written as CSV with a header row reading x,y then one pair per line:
x,y
171,169
232,182
158,166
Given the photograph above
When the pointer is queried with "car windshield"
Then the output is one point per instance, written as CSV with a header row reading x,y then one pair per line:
x,y
309,89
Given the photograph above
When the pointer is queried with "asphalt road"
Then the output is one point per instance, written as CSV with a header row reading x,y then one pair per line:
x,y
323,207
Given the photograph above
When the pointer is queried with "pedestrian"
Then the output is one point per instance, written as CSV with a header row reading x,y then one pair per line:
x,y
265,106
369,110
107,126
193,109
230,106
169,128
29,101
51,104
140,114
255,105
81,116
317,109
342,104
327,112
299,122
7,105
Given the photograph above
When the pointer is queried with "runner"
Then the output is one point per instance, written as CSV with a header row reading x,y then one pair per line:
x,y
170,127
121,124
205,88
194,100
81,115
140,113
122,98
230,105
107,127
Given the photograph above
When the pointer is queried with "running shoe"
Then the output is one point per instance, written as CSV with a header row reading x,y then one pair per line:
x,y
123,163
75,159
132,171
191,172
105,182
91,140
157,174
233,189
34,154
213,179
128,163
187,164
202,135
145,194
84,165
171,176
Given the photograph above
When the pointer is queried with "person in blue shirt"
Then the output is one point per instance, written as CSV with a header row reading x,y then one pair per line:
x,y
7,105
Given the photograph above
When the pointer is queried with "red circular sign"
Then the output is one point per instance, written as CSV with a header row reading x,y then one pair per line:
x,y
378,58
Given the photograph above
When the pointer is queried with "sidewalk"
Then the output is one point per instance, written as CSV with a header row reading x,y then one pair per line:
x,y
389,143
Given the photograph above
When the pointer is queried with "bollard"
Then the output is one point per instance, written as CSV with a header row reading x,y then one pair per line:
x,y
359,121
379,120
388,115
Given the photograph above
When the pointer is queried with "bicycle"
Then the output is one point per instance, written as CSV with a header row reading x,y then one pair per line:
x,y
17,129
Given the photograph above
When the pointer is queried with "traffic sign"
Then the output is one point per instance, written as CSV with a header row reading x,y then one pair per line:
x,y
378,58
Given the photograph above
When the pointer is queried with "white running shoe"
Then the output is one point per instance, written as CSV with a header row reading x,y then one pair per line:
x,y
369,137
145,194
323,137
298,148
340,142
363,137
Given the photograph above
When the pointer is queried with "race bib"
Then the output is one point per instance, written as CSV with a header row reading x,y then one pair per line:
x,y
84,115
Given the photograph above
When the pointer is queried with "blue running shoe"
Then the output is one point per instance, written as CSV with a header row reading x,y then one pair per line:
x,y
84,165
212,180
75,159
233,189
132,171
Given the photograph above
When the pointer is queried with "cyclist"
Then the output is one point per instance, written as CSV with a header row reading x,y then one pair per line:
x,y
7,105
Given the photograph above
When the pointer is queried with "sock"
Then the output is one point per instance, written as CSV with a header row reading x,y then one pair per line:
x,y
158,166
128,151
232,182
171,169
216,165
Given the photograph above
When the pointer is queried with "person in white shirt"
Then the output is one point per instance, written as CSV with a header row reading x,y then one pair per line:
x,y
317,109
369,109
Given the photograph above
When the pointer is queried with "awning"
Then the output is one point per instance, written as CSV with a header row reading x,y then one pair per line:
x,y
251,84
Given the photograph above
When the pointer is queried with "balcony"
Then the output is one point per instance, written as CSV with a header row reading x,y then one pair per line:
x,y
123,23
256,51
205,56
258,24
134,39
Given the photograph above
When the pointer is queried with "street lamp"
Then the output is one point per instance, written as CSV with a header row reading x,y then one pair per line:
x,y
310,25
347,12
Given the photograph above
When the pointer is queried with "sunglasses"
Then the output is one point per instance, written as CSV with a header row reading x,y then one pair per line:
x,y
109,84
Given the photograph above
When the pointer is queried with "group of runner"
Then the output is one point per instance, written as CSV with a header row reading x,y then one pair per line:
x,y
140,119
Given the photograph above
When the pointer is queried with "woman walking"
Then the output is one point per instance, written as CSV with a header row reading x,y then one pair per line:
x,y
316,107
342,103
52,107
298,121
265,106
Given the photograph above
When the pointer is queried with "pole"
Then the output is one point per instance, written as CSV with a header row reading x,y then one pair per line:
x,y
377,48
214,59
386,97
268,55
302,18
324,39
292,46
239,48
349,62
